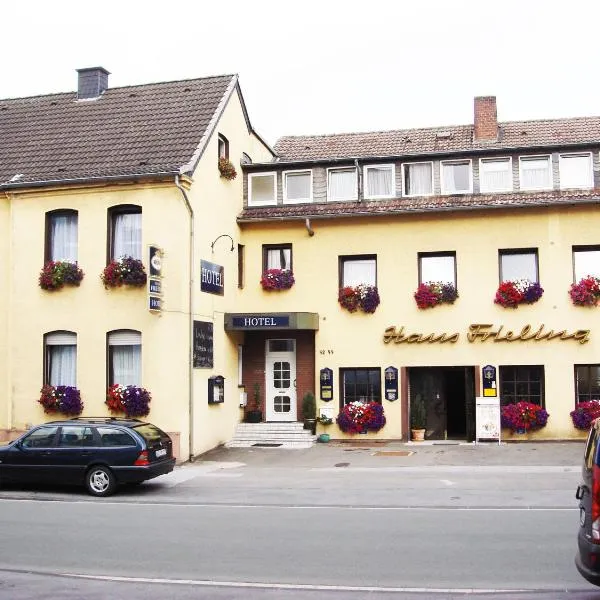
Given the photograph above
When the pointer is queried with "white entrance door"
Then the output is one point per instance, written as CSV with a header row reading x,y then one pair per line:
x,y
281,380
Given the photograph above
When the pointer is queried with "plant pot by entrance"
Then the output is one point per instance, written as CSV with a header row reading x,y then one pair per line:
x,y
311,424
417,435
254,416
324,438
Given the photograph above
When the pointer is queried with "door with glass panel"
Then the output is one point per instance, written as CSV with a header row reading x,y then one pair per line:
x,y
280,389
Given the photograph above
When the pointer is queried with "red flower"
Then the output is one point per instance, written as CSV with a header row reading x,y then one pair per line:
x,y
508,295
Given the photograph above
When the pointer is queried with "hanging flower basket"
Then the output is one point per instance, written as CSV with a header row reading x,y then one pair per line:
x,y
522,291
522,417
277,279
63,399
586,292
361,417
227,169
57,274
585,413
129,399
125,271
432,293
365,297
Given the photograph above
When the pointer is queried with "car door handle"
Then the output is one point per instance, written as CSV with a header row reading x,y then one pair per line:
x,y
580,492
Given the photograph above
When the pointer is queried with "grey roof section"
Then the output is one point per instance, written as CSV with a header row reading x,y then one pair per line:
x,y
439,140
150,129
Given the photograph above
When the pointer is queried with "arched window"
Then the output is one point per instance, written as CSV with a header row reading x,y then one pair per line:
x,y
125,232
60,358
61,235
125,357
223,146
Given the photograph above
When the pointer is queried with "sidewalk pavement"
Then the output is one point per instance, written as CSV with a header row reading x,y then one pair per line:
x,y
374,454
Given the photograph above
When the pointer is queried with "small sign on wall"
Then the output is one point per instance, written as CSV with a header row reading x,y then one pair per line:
x,y
155,303
212,278
490,389
391,383
203,345
326,384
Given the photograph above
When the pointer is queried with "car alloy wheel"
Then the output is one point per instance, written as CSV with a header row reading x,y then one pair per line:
x,y
100,481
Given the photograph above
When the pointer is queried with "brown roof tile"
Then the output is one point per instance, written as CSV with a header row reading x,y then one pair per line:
x,y
419,205
434,140
141,129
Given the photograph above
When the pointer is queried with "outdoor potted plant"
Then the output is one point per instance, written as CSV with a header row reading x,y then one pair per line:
x,y
63,399
254,415
325,421
585,413
418,418
432,293
127,271
226,169
309,412
522,417
361,417
57,274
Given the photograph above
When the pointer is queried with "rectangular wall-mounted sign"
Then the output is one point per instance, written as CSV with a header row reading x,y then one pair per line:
x,y
212,278
155,286
391,383
155,261
326,384
203,345
154,303
261,321
490,389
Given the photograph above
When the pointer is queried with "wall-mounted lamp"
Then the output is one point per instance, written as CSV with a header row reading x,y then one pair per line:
x,y
212,246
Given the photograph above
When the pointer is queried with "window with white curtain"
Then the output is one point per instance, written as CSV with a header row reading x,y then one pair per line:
x,y
535,172
586,261
379,181
125,357
277,257
342,184
576,171
417,179
456,177
61,358
438,266
126,234
518,264
62,236
356,270
262,189
495,175
297,186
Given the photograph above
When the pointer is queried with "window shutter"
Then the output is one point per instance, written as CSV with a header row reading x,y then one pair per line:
x,y
61,338
124,338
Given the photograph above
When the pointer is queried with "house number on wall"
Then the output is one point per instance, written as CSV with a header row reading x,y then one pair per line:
x,y
325,351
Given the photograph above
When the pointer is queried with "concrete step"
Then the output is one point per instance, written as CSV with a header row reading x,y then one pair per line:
x,y
277,435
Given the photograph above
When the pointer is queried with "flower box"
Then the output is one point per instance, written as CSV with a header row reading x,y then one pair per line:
x,y
586,292
585,413
365,297
432,293
57,274
277,279
129,399
226,169
361,417
125,271
522,417
63,399
522,291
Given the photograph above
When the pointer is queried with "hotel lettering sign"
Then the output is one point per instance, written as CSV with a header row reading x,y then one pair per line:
x,y
484,332
212,278
261,322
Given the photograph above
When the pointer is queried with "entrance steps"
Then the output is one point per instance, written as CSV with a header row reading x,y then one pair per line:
x,y
271,435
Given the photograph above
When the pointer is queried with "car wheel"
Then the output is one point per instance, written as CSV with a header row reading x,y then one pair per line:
x,y
100,481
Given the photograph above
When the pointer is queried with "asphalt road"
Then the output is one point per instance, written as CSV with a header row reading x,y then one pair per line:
x,y
233,531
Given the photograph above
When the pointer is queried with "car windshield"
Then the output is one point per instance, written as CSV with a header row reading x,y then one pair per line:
x,y
150,432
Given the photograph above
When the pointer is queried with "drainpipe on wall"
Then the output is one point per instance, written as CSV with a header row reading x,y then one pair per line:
x,y
191,320
359,194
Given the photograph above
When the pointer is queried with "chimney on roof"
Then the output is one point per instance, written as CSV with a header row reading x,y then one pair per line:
x,y
92,82
486,119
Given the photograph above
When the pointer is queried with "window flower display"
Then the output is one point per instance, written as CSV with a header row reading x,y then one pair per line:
x,y
277,279
57,274
523,416
365,297
63,399
522,291
586,292
133,401
432,293
227,169
125,271
585,413
359,417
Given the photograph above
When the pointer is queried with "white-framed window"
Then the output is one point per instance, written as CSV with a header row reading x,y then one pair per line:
x,y
342,184
297,187
495,175
417,179
437,266
125,357
586,262
380,181
223,146
60,349
356,270
519,264
535,172
576,171
61,235
262,189
456,177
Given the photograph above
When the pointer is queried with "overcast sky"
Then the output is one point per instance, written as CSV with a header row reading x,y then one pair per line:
x,y
322,66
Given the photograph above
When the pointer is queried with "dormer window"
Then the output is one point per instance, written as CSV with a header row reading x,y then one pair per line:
x,y
495,175
379,181
456,177
297,187
262,189
535,172
342,184
223,146
576,171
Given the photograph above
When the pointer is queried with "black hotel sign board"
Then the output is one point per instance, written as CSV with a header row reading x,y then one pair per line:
x,y
212,278
203,345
